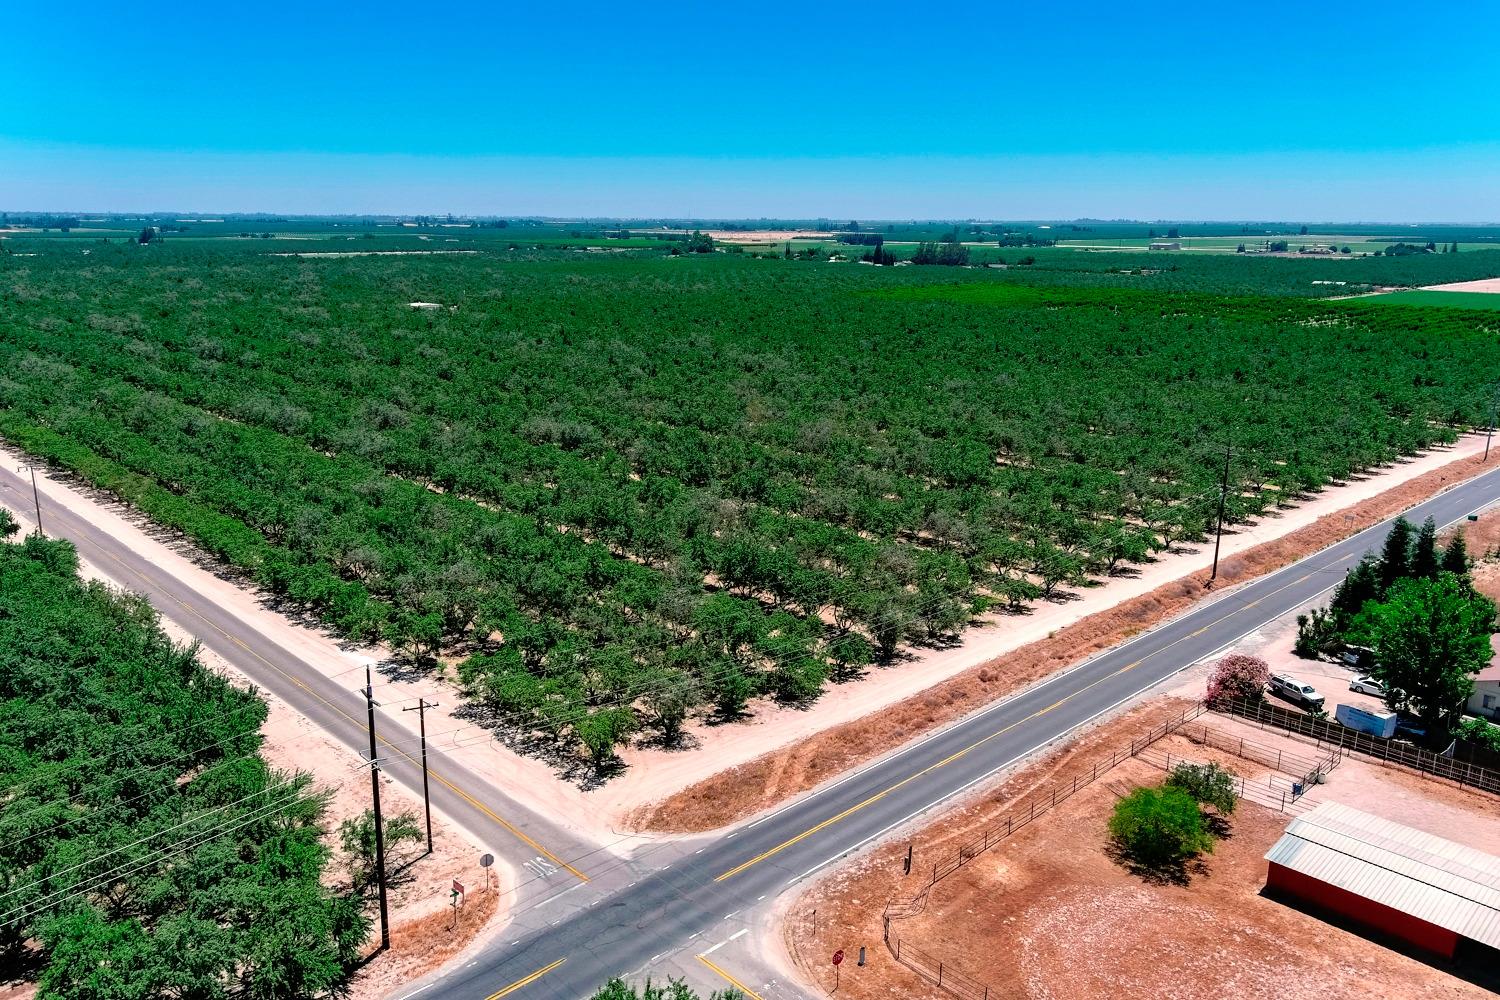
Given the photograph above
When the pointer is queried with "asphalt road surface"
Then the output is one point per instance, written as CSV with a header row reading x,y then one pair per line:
x,y
568,943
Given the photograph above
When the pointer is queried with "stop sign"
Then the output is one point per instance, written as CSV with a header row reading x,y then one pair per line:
x,y
838,957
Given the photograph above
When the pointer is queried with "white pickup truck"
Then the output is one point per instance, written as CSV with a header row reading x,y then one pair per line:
x,y
1292,689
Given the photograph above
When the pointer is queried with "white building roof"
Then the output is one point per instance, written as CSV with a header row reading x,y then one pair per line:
x,y
1445,884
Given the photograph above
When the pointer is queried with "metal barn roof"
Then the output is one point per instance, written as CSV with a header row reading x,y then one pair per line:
x,y
1446,884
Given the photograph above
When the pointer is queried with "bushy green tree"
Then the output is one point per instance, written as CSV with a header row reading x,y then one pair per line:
x,y
117,740
1480,733
1429,637
1159,827
1209,784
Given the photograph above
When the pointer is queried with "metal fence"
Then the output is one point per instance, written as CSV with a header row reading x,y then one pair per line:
x,y
1325,732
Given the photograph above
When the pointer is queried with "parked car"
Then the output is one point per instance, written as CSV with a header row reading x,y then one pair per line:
x,y
1365,684
1357,657
1292,689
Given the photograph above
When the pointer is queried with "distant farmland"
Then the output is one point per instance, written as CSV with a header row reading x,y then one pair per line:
x,y
623,489
1448,300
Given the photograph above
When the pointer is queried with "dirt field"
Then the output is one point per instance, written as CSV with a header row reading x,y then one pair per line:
x,y
1481,285
1048,914
765,235
745,790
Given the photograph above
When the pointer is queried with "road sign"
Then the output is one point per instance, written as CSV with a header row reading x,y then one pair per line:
x,y
458,887
838,957
485,860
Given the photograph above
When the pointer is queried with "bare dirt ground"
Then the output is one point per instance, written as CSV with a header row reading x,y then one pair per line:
x,y
1479,285
1049,914
859,724
765,235
368,253
424,933
738,769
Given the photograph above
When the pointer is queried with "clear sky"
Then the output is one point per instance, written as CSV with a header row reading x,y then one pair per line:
x,y
1369,111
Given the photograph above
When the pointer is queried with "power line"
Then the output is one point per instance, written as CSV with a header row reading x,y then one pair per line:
x,y
293,780
92,882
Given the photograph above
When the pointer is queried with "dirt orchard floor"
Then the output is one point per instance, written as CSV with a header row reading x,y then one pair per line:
x,y
1047,914
424,934
776,776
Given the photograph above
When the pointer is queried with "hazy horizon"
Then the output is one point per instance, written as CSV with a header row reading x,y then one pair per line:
x,y
678,111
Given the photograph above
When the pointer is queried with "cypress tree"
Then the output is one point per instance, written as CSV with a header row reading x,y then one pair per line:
x,y
1395,557
1361,584
1456,556
1424,554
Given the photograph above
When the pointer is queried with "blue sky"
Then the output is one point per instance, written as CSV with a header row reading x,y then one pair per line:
x,y
1165,110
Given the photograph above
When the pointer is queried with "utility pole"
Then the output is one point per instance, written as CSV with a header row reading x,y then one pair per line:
x,y
385,916
1223,496
36,498
421,709
1490,431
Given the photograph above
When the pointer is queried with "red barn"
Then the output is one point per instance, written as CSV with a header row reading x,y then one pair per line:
x,y
1427,891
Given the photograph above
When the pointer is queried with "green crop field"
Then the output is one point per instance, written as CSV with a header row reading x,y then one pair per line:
x,y
619,490
1447,300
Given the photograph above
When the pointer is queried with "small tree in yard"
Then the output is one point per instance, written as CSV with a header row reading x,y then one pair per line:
x,y
1208,784
1480,733
1237,677
1159,827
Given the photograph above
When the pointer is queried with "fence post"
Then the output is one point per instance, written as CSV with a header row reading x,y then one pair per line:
x,y
940,973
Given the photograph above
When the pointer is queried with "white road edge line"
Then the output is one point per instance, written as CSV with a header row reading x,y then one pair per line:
x,y
556,896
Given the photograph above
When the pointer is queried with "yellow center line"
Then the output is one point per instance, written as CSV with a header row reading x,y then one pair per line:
x,y
525,980
726,977
825,824
363,727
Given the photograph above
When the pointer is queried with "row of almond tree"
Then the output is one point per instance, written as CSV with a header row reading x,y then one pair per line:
x,y
626,492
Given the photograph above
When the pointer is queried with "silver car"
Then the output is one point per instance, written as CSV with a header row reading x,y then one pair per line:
x,y
1367,685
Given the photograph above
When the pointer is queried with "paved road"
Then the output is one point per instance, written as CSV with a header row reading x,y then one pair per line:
x,y
679,898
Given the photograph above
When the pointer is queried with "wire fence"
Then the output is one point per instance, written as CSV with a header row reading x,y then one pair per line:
x,y
1301,771
935,970
1325,732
